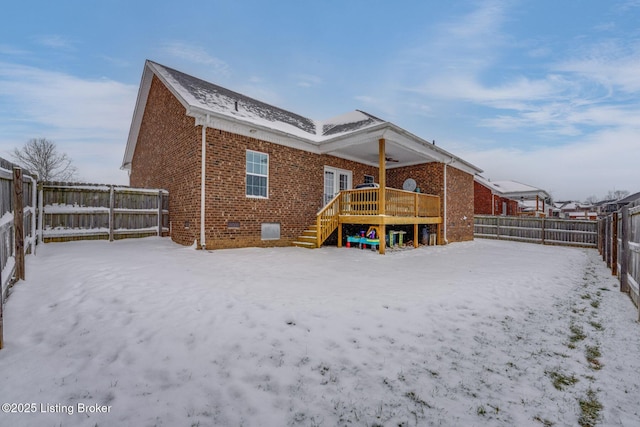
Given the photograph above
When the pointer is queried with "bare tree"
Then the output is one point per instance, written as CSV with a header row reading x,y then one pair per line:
x,y
592,200
616,194
41,156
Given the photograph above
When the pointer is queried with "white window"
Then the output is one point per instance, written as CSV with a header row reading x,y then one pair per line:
x,y
368,179
257,174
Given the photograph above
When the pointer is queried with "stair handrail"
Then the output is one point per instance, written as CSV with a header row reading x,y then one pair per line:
x,y
327,220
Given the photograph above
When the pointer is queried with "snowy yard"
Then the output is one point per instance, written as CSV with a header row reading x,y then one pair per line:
x,y
480,333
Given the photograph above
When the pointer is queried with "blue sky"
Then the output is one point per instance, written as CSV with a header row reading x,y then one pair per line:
x,y
541,92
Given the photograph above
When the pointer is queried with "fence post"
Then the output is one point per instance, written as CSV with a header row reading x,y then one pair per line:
x,y
543,229
159,213
624,256
614,244
607,240
18,222
112,203
1,319
497,227
34,217
40,211
601,235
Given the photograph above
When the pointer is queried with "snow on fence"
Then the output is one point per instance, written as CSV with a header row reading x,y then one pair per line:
x,y
15,197
547,231
68,211
17,226
84,211
620,248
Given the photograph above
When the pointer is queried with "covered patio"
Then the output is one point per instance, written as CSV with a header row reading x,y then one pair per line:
x,y
380,206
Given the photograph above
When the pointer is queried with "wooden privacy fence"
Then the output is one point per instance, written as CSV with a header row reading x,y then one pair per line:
x,y
620,248
68,211
17,227
546,231
83,211
17,194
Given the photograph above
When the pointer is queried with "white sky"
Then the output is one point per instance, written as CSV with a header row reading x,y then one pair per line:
x,y
547,99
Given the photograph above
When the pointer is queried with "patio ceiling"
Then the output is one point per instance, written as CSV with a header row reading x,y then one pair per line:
x,y
396,154
402,149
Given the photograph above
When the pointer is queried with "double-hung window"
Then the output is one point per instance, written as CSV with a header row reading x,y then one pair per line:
x,y
257,174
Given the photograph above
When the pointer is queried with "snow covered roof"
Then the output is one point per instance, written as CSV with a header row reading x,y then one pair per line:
x,y
511,189
353,135
200,94
628,199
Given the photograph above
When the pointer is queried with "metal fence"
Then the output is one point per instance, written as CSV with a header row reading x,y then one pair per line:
x,y
546,231
84,211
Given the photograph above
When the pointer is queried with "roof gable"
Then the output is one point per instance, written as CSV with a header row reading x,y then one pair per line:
x,y
208,96
348,136
511,189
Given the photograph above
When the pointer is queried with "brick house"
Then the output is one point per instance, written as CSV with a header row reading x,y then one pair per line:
x,y
244,173
509,198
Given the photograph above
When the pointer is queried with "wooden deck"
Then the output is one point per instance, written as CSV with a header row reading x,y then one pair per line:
x,y
378,207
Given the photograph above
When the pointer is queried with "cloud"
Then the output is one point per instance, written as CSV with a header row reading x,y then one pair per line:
x,y
196,54
55,41
513,94
69,110
307,80
64,101
603,161
613,64
9,50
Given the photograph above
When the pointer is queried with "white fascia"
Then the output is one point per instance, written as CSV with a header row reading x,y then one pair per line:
x,y
252,130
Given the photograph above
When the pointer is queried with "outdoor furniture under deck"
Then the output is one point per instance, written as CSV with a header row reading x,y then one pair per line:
x,y
378,208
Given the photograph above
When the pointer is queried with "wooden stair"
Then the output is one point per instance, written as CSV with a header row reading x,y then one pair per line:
x,y
308,239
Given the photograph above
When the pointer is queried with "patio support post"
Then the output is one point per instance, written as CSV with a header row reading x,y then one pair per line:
x,y
382,178
382,196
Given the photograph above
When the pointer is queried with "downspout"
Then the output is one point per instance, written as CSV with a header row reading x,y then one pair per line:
x,y
445,200
203,239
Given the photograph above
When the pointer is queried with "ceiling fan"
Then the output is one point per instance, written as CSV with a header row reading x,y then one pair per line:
x,y
391,159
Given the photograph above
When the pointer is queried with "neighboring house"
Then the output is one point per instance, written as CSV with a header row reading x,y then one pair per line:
x,y
616,205
244,173
509,198
575,210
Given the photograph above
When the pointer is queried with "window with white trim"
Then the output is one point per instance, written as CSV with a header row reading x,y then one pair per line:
x,y
257,174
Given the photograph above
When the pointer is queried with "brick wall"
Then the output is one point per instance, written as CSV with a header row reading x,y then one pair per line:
x,y
430,179
483,199
295,190
167,156
459,205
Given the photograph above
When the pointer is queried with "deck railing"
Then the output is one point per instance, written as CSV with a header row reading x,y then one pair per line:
x,y
365,202
328,219
398,203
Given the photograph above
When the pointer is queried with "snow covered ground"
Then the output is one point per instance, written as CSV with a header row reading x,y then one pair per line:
x,y
484,333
